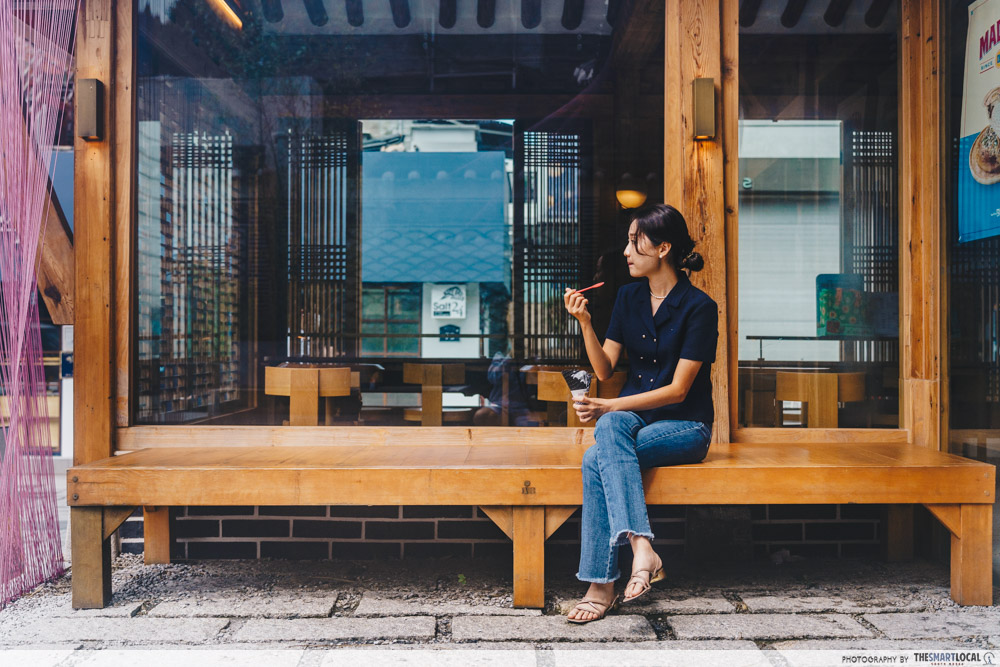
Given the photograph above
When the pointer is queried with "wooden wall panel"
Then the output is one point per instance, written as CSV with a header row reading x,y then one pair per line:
x,y
694,171
94,241
922,275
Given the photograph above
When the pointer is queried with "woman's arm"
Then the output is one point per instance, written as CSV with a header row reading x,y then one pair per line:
x,y
591,408
602,358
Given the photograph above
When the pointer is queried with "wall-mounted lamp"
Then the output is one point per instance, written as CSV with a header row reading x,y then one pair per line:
x,y
704,109
89,109
230,11
630,192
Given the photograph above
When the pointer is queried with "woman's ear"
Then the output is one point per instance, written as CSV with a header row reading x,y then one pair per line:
x,y
664,250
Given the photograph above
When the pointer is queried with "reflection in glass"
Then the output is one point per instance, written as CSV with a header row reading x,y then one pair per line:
x,y
818,220
343,190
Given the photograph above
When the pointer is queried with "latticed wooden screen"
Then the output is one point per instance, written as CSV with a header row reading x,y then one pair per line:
x,y
871,229
552,243
196,365
323,242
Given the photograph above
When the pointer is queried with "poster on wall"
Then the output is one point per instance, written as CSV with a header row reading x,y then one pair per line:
x,y
979,158
448,302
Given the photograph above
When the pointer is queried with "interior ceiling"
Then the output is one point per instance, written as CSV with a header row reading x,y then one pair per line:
x,y
452,17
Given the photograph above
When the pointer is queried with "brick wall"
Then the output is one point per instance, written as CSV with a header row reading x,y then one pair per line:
x,y
433,532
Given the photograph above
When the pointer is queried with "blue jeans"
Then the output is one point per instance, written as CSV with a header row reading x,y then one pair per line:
x,y
613,501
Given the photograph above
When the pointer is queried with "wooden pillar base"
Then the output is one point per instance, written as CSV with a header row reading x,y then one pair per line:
x,y
971,528
529,556
91,564
156,535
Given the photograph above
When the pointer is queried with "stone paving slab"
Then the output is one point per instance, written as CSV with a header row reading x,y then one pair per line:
x,y
937,624
337,629
809,601
664,604
550,628
199,657
766,626
661,656
373,605
666,645
281,604
132,630
460,657
871,645
33,657
62,606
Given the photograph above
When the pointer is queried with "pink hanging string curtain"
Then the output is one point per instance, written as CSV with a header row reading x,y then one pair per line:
x,y
36,67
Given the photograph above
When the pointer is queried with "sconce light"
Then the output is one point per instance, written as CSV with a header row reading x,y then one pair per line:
x,y
630,192
704,109
89,109
230,11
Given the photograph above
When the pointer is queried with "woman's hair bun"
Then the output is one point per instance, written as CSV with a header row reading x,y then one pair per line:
x,y
693,262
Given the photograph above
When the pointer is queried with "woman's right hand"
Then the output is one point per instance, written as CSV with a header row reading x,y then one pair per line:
x,y
576,305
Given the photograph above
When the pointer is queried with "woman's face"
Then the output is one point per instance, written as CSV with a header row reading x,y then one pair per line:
x,y
642,256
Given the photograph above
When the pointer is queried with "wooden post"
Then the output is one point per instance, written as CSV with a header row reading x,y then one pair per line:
x,y
971,557
921,179
156,535
699,36
529,556
94,398
91,558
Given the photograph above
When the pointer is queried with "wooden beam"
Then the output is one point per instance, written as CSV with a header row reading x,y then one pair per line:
x,y
697,34
123,206
55,262
921,176
94,239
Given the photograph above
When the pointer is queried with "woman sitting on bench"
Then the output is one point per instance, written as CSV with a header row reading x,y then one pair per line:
x,y
663,415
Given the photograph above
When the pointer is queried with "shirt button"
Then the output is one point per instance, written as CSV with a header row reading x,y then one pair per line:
x,y
642,358
654,340
650,379
654,361
643,335
640,377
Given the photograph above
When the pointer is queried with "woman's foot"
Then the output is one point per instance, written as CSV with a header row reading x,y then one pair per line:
x,y
602,594
646,568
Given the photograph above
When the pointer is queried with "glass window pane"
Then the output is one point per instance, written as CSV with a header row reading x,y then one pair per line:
x,y
288,215
818,220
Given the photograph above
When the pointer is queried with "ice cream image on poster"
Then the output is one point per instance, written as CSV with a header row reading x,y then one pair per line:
x,y
979,145
578,382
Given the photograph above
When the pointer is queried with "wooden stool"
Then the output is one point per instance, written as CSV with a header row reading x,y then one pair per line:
x,y
820,391
552,387
432,378
305,385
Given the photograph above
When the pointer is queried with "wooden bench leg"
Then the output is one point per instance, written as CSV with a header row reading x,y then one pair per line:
x,y
529,556
897,522
156,535
91,554
971,528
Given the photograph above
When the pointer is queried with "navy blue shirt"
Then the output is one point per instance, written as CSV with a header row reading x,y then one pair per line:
x,y
686,326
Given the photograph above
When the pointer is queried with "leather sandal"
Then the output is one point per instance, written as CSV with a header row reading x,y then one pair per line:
x,y
594,607
652,577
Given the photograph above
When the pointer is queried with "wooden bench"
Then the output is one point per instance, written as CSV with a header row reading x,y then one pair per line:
x,y
526,480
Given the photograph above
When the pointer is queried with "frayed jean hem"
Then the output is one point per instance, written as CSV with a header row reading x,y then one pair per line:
x,y
621,539
599,581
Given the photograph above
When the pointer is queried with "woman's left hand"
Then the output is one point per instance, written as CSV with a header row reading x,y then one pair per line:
x,y
588,408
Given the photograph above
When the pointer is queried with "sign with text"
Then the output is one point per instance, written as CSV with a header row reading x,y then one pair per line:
x,y
979,145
